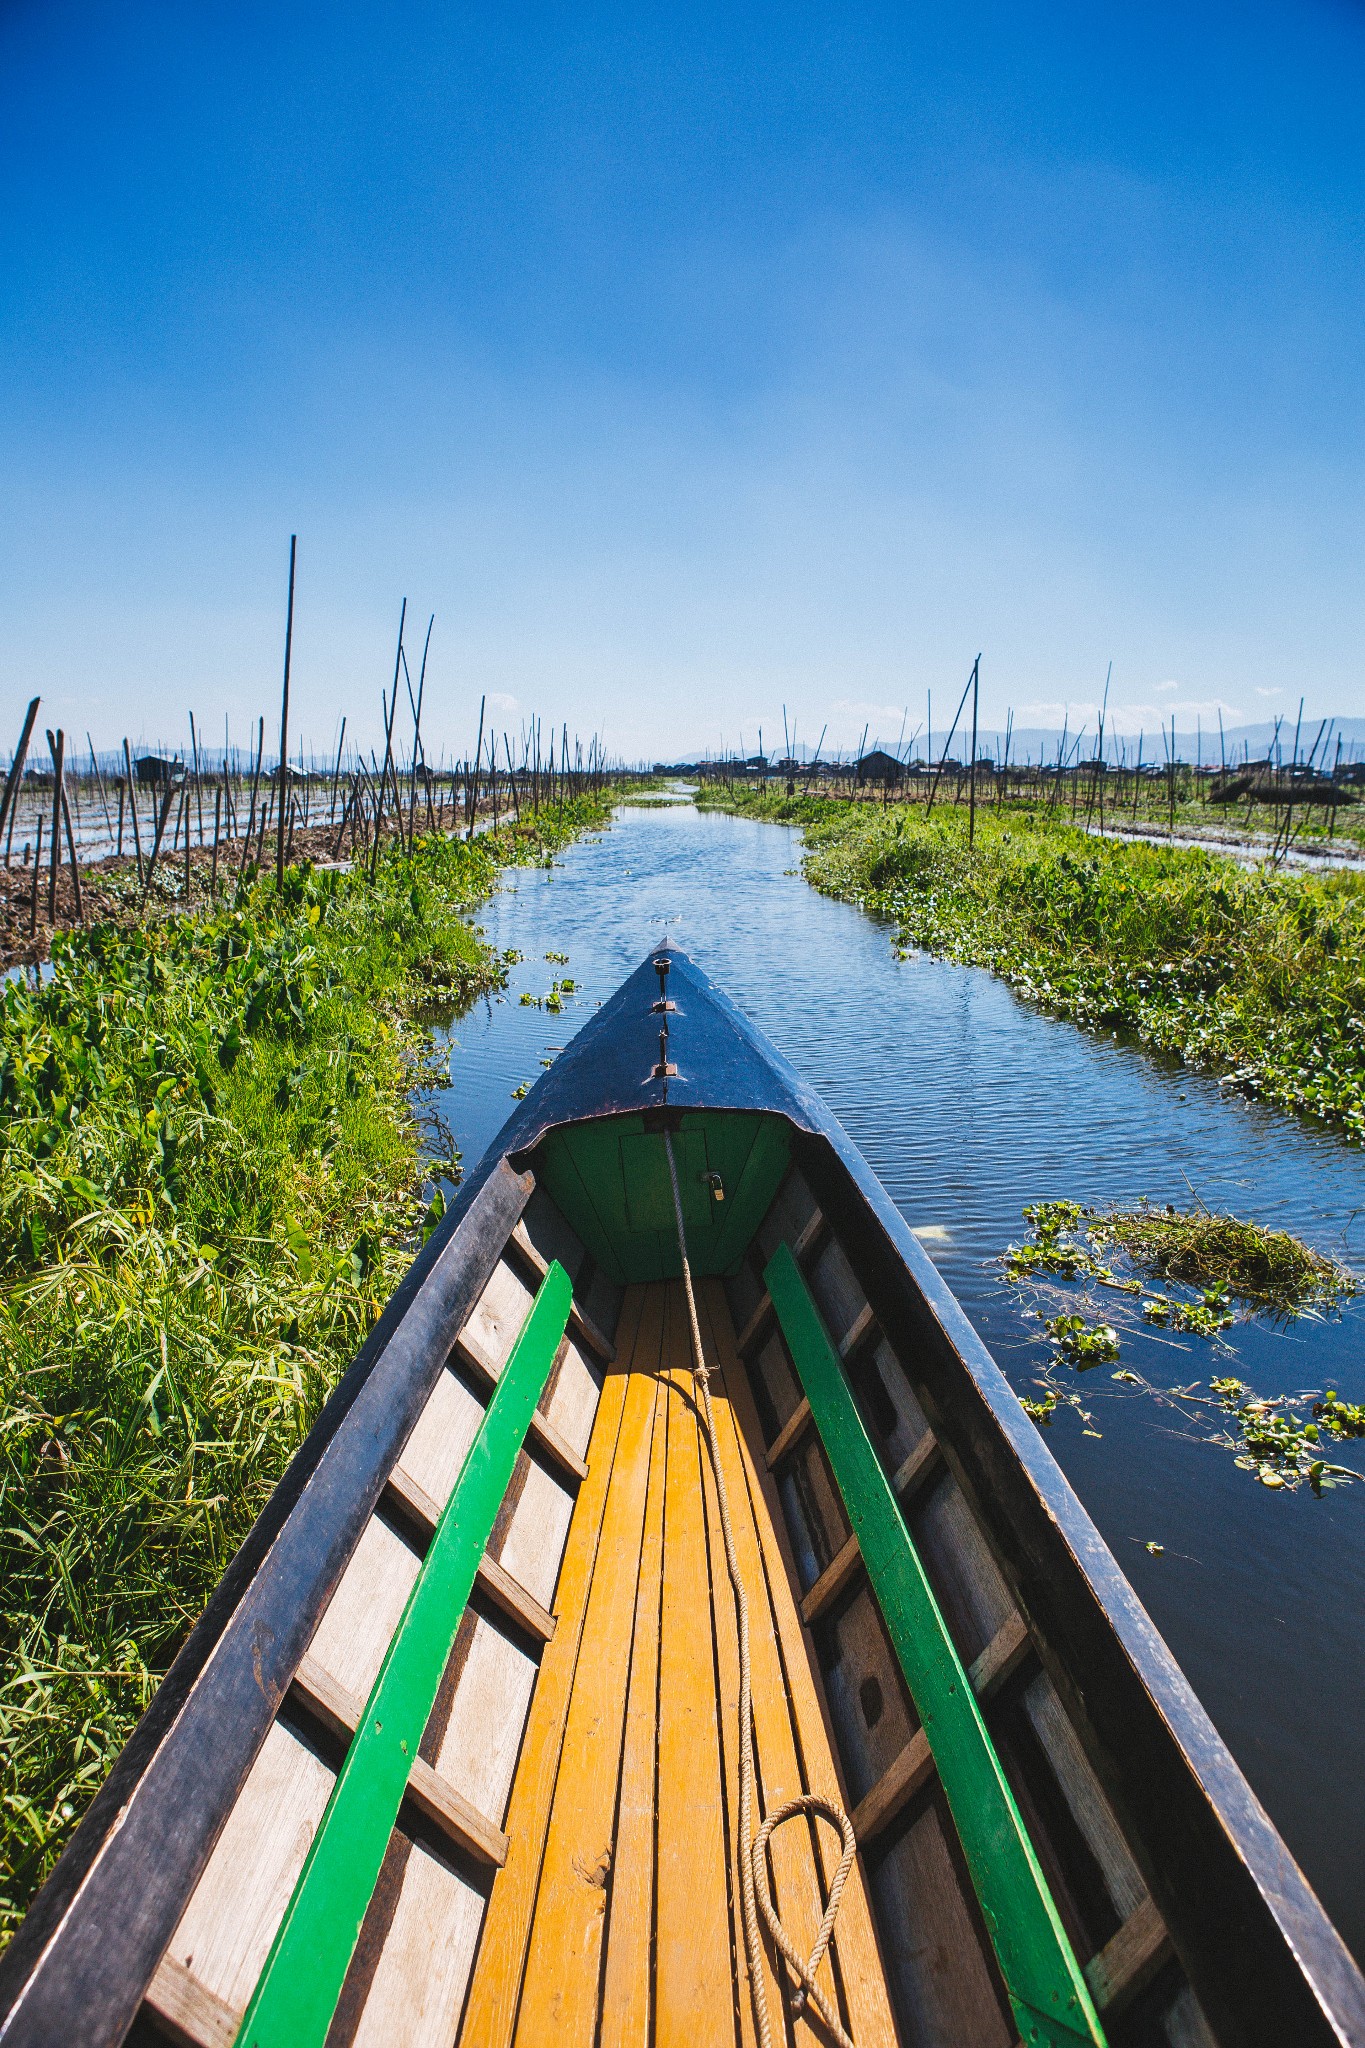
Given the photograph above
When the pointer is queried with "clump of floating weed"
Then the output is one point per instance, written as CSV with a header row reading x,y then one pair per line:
x,y
1281,1439
1276,1442
1341,1418
1225,1256
1204,1318
1082,1343
1055,1396
1052,1248
1284,1440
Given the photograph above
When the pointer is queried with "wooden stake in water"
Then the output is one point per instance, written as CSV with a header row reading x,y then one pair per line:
x,y
75,864
9,803
284,714
336,777
976,703
33,885
474,788
99,785
389,709
58,747
132,802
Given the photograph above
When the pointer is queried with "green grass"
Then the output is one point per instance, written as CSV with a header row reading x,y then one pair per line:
x,y
210,1182
1256,976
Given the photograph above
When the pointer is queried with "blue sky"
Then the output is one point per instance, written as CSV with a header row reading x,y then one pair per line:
x,y
683,363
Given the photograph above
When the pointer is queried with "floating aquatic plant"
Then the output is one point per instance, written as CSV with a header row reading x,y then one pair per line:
x,y
1282,1439
1224,1256
1083,1343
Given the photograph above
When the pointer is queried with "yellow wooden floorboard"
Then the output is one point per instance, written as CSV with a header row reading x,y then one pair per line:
x,y
616,1918
797,1891
855,1940
559,1997
694,1981
628,1977
490,2014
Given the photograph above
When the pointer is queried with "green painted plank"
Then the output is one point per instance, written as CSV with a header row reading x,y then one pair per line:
x,y
299,1987
576,1190
752,1174
1047,1991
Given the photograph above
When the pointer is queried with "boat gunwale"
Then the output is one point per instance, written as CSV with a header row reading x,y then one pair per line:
x,y
1154,1747
80,1964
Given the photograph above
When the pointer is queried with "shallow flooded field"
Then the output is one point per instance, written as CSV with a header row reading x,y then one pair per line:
x,y
968,1105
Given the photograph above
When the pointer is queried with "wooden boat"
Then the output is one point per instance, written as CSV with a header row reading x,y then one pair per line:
x,y
454,1753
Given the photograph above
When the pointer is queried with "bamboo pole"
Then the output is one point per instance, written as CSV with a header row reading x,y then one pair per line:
x,y
976,701
251,817
336,775
9,803
165,812
58,747
99,786
284,714
132,801
390,709
75,864
33,883
198,787
472,793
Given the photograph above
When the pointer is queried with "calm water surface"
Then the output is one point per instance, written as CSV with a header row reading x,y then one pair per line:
x,y
969,1104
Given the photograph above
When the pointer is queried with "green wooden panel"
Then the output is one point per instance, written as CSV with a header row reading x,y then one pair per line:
x,y
1047,1991
610,1180
299,1987
750,1187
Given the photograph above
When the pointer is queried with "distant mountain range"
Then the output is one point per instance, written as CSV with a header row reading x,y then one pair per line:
x,y
1242,742
1239,743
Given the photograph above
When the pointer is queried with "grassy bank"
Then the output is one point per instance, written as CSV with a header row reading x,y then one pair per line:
x,y
210,1181
1258,977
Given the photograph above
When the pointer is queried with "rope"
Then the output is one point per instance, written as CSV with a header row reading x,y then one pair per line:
x,y
752,1850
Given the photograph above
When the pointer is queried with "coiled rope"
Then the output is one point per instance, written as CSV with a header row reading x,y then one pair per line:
x,y
752,1850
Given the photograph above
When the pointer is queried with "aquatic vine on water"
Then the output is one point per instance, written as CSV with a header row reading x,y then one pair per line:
x,y
1283,1440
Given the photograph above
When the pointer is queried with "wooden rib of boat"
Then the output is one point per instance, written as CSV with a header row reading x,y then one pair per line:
x,y
453,1753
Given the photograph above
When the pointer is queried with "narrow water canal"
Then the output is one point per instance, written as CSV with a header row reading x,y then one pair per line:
x,y
968,1104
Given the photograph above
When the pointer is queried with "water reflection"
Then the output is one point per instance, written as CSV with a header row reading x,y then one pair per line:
x,y
968,1104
